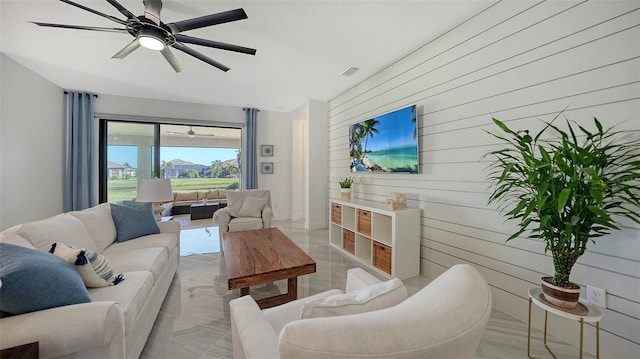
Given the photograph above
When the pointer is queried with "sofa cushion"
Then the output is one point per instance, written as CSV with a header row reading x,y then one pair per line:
x,y
62,228
14,238
281,315
168,241
133,222
99,223
94,268
235,199
222,194
146,259
131,294
374,297
186,196
245,224
213,195
252,207
34,280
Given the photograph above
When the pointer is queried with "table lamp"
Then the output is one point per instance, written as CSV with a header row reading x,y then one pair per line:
x,y
154,190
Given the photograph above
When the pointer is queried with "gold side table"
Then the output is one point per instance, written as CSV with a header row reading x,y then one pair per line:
x,y
585,312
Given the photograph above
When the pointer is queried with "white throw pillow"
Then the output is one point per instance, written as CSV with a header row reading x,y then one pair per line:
x,y
99,223
252,207
61,228
375,297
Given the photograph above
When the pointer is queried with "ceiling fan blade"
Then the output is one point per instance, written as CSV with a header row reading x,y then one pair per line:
x,y
199,56
207,20
122,22
152,10
80,27
171,58
215,44
127,50
122,9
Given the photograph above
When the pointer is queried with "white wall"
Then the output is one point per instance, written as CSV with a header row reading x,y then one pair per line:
x,y
275,128
517,61
298,166
310,162
32,142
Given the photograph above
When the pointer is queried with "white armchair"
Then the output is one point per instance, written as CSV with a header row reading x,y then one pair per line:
x,y
245,210
445,319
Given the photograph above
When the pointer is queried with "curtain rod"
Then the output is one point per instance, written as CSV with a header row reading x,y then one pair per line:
x,y
66,92
249,108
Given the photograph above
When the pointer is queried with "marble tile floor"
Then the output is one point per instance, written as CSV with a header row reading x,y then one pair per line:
x,y
194,320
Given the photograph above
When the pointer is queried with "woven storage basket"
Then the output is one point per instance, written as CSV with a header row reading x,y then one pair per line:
x,y
364,222
336,213
348,241
382,257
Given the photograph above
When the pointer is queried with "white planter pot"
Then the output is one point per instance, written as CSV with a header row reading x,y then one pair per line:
x,y
345,193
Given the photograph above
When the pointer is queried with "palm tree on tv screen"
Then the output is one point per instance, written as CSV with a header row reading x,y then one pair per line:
x,y
368,129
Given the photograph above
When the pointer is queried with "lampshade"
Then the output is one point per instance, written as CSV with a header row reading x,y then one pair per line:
x,y
154,190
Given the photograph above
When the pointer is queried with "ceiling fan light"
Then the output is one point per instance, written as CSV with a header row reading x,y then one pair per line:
x,y
150,42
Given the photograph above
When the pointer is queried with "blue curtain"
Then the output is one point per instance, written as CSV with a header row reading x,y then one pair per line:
x,y
251,176
80,191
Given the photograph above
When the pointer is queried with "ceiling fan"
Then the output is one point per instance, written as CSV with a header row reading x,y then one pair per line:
x,y
148,31
191,133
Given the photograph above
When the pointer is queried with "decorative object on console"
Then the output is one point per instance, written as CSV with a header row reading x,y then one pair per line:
x,y
345,188
154,190
397,200
93,267
266,168
266,150
570,189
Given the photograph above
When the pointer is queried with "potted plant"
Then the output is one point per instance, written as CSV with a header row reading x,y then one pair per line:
x,y
345,188
566,190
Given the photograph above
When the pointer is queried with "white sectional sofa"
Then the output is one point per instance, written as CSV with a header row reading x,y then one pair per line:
x,y
118,320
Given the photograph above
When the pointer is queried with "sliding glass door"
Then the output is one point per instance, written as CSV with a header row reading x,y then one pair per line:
x,y
128,154
195,158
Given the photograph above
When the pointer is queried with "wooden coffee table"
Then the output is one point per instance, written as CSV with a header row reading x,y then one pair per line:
x,y
263,256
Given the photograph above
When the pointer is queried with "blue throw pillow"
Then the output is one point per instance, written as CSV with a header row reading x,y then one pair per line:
x,y
133,222
33,280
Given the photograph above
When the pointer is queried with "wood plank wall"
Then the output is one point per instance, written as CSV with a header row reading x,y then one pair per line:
x,y
520,62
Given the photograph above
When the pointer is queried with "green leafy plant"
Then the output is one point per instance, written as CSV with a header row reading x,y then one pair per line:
x,y
346,182
566,190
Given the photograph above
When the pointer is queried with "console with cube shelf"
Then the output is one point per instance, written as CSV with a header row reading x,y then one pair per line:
x,y
385,240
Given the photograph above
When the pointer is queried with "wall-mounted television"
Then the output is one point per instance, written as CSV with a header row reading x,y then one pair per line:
x,y
385,143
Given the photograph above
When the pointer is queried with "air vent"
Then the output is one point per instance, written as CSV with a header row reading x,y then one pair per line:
x,y
350,71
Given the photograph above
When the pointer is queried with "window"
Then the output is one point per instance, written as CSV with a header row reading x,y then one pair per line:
x,y
195,158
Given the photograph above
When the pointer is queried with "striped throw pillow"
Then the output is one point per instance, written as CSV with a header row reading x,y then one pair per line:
x,y
93,267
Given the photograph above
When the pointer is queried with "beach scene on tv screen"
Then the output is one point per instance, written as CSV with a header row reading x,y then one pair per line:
x,y
386,143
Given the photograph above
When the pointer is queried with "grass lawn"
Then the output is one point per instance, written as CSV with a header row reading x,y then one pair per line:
x,y
125,189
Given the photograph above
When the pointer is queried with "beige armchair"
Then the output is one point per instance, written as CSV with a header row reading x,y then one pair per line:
x,y
445,319
245,210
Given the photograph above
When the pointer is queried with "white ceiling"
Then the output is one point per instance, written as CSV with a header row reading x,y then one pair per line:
x,y
303,47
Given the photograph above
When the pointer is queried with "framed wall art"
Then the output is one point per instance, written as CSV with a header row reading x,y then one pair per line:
x,y
266,168
266,150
